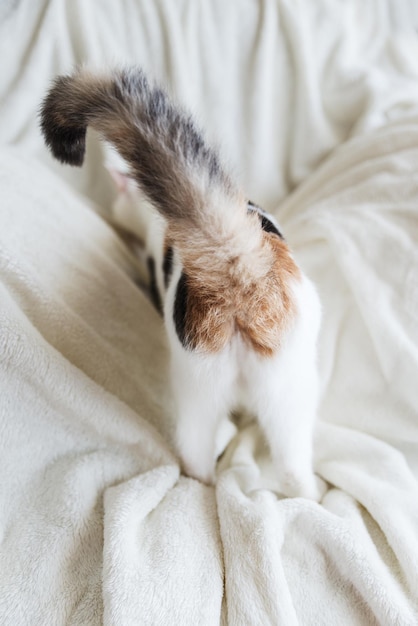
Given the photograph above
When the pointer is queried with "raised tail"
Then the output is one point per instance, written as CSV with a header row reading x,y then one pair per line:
x,y
237,274
166,152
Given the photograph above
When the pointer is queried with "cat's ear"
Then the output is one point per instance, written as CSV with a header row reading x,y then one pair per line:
x,y
120,179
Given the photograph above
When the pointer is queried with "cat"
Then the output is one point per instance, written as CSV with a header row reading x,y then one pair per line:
x,y
242,319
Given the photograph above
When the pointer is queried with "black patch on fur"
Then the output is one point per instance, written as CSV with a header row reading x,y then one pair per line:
x,y
269,227
66,140
153,287
168,265
266,224
180,310
67,145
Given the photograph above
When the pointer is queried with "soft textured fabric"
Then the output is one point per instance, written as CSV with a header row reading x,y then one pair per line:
x,y
315,106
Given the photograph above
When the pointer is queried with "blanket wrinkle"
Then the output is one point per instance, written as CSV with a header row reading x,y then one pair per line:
x,y
157,566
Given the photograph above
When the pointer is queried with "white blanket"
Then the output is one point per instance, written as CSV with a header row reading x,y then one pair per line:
x,y
96,523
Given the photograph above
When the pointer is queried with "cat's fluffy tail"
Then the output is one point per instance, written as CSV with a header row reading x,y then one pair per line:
x,y
167,155
236,276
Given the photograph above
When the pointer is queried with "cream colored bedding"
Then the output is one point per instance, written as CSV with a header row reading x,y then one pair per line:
x,y
315,105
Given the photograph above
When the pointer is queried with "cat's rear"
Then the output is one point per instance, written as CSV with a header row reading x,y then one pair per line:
x,y
236,289
236,276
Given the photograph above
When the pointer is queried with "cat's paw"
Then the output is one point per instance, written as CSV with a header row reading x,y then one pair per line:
x,y
316,489
203,474
309,486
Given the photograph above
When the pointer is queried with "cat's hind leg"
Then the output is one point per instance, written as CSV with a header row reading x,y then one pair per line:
x,y
202,393
284,391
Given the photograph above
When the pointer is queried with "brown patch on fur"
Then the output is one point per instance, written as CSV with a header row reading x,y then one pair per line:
x,y
260,310
238,276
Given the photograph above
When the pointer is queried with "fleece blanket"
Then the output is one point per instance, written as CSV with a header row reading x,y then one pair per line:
x,y
316,105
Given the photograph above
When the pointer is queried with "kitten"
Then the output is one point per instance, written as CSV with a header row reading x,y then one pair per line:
x,y
242,319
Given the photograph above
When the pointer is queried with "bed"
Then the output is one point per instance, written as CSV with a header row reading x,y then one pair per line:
x,y
315,107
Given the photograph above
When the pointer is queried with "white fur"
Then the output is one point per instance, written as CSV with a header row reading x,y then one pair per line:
x,y
281,391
